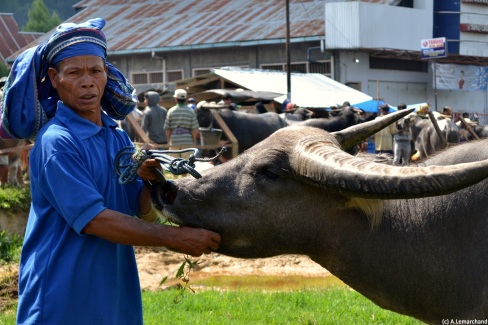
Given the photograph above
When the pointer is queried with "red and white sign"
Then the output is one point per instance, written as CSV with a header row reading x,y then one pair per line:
x,y
433,48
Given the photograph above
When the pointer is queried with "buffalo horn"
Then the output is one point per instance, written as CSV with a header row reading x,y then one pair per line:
x,y
319,161
357,133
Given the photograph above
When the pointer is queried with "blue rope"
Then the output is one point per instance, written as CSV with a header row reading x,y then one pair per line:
x,y
129,159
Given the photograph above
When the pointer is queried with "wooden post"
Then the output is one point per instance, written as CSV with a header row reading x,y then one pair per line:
x,y
436,126
469,128
137,128
228,133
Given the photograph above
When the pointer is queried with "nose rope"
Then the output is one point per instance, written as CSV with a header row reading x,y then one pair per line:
x,y
129,159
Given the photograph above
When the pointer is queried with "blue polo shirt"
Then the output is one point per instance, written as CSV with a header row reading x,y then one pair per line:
x,y
67,277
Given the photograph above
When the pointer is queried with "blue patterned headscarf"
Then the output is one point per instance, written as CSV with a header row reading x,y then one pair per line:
x,y
29,99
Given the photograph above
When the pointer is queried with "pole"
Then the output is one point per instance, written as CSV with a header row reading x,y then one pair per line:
x,y
435,85
288,68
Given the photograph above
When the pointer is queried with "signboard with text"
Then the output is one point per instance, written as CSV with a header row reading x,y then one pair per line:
x,y
434,48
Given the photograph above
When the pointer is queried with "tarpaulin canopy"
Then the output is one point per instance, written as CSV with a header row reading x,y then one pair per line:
x,y
370,106
310,90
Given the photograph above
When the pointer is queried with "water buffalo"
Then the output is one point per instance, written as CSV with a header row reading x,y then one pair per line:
x,y
299,114
248,128
341,119
427,140
411,239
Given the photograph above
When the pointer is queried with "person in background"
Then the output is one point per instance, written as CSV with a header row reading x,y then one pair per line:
x,y
466,119
154,117
383,139
227,101
402,138
181,124
423,111
77,263
446,112
192,103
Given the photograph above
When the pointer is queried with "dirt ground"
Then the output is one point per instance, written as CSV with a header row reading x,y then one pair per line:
x,y
157,263
154,264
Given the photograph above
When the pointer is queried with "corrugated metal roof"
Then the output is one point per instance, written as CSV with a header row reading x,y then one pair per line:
x,y
307,89
11,39
142,26
145,25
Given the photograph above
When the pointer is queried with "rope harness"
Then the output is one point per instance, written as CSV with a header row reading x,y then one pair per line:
x,y
129,159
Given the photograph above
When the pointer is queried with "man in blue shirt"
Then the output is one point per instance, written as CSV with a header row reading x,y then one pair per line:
x,y
78,264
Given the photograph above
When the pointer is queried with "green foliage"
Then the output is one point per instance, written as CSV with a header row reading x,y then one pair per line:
x,y
14,199
10,247
3,69
39,18
184,273
20,8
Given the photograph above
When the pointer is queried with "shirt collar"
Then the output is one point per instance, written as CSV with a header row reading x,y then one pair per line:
x,y
81,127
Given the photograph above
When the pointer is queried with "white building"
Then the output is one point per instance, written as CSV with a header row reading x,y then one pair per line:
x,y
376,48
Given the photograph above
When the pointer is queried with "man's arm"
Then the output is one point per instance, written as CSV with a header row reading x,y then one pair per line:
x,y
122,229
119,228
168,135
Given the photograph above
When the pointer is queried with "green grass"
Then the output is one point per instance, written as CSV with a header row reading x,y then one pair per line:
x,y
10,247
331,306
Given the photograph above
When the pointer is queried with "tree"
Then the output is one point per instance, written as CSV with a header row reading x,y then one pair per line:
x,y
39,18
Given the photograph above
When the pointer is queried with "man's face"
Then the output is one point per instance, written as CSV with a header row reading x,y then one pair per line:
x,y
80,82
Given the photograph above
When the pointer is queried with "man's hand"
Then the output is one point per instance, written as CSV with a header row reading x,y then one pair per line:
x,y
147,170
194,241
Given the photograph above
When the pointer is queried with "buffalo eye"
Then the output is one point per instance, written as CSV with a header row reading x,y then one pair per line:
x,y
267,173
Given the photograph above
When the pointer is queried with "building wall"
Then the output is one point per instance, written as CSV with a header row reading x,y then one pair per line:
x,y
465,25
355,25
192,63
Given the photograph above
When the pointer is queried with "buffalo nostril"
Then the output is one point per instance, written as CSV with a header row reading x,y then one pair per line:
x,y
167,192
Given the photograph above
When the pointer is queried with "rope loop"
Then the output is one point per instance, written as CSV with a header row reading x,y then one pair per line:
x,y
129,159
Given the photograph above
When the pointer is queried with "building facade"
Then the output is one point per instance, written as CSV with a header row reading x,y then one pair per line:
x,y
373,46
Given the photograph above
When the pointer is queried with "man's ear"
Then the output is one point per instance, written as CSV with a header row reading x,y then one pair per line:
x,y
53,75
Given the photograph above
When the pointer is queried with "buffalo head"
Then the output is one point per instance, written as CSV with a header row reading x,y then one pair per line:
x,y
405,237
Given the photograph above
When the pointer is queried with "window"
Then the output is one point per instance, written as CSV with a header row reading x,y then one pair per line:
x,y
139,78
175,75
155,77
200,72
322,67
397,64
274,67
